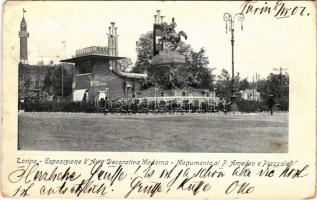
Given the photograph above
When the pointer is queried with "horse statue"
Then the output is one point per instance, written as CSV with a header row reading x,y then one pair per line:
x,y
170,35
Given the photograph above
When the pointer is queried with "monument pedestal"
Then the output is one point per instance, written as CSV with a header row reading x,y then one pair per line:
x,y
168,58
234,105
163,66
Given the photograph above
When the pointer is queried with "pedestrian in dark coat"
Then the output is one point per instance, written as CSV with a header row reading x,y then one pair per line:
x,y
271,103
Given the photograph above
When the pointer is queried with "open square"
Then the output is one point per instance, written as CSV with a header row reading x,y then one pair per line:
x,y
210,133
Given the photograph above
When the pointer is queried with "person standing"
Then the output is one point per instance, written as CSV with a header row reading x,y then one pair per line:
x,y
271,103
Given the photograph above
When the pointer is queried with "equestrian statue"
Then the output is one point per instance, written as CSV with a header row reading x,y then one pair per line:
x,y
170,35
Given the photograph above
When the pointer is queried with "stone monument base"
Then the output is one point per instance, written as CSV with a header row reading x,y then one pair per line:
x,y
163,66
168,58
233,105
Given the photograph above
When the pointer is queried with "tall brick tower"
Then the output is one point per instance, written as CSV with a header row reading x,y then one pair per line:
x,y
23,34
113,40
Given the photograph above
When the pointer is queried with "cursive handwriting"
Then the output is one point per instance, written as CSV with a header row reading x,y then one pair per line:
x,y
31,173
278,9
117,175
138,185
240,188
101,179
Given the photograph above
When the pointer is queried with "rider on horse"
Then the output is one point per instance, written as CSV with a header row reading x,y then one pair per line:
x,y
172,26
169,33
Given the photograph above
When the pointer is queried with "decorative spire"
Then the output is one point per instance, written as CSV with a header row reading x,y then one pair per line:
x,y
23,22
158,16
23,35
162,17
113,39
112,27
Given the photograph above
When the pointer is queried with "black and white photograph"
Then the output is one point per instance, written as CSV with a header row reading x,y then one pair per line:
x,y
158,99
160,79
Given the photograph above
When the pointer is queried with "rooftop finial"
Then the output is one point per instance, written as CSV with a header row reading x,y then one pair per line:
x,y
24,11
158,15
162,17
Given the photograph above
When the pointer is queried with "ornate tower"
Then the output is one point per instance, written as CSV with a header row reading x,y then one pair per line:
x,y
23,34
157,33
113,40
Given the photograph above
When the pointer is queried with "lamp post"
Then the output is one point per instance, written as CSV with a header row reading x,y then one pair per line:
x,y
63,49
230,19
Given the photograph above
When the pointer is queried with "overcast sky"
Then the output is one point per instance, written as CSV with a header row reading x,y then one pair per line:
x,y
265,42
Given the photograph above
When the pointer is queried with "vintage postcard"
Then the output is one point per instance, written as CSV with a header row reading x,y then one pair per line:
x,y
159,99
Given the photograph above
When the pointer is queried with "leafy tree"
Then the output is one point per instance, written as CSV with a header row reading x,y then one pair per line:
x,y
277,85
147,83
262,87
200,75
53,81
243,85
144,48
124,64
48,81
28,93
223,83
224,76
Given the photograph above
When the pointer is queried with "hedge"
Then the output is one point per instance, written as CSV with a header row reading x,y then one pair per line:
x,y
51,106
260,106
252,106
144,107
